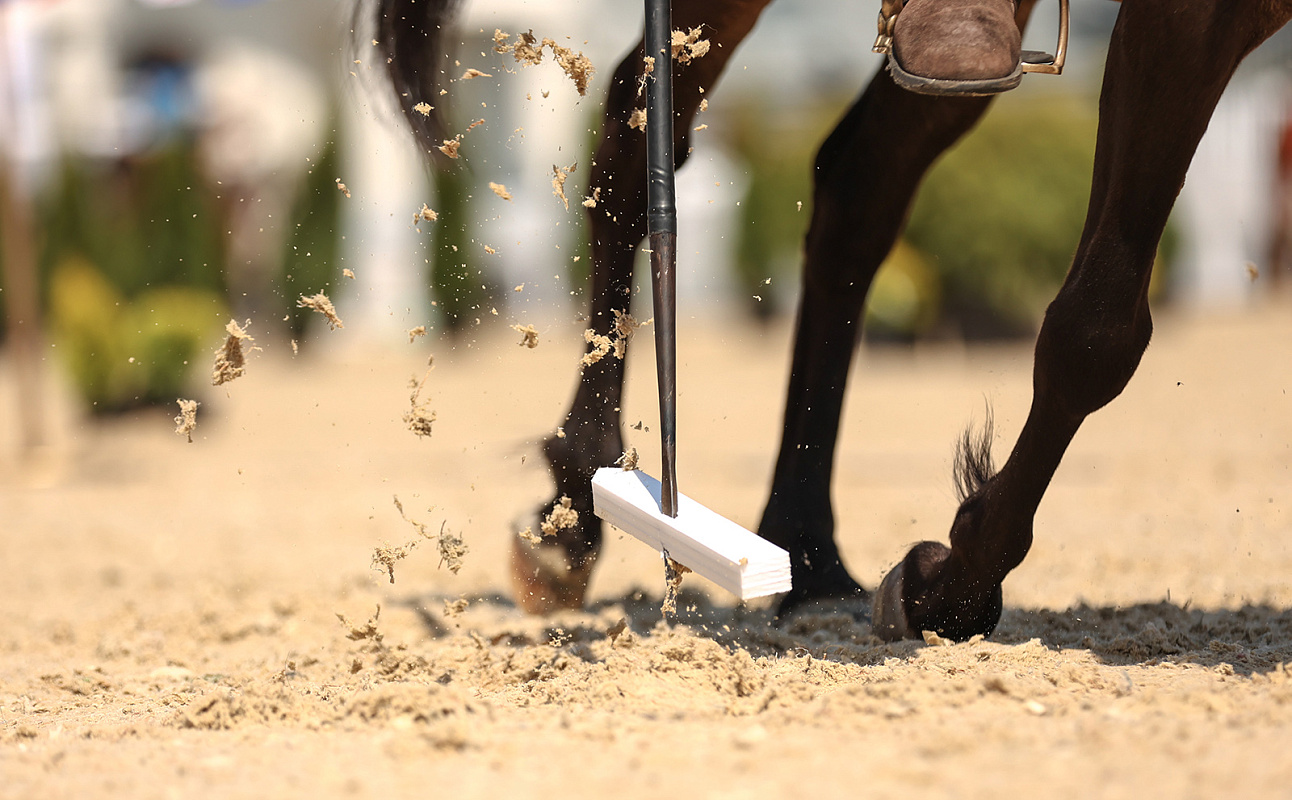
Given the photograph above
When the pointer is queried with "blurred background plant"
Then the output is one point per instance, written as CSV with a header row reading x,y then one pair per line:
x,y
182,161
990,236
134,274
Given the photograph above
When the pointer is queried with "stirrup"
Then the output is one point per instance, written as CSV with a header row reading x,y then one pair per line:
x,y
1037,61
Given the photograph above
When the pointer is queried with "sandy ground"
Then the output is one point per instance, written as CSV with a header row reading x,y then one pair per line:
x,y
170,611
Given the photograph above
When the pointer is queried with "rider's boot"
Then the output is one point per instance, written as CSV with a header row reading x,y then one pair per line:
x,y
958,47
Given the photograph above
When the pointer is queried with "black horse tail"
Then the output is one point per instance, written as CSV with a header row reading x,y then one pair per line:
x,y
413,38
973,465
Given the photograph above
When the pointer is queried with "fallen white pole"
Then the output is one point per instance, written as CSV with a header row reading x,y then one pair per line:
x,y
711,545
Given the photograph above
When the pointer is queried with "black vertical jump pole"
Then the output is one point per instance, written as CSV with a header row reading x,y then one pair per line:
x,y
661,236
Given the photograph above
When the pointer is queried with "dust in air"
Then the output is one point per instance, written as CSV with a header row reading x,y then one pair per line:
x,y
419,417
451,547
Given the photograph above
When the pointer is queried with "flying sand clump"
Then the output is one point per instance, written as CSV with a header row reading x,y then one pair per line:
x,y
186,422
601,346
559,176
561,516
231,358
616,342
419,416
320,303
673,572
576,65
629,460
688,46
529,335
500,190
451,547
424,214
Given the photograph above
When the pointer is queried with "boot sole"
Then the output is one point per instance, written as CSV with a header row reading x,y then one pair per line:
x,y
948,87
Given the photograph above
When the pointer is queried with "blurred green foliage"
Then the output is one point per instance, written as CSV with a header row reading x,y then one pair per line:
x,y
777,150
145,221
132,264
991,233
460,285
125,353
1000,215
312,261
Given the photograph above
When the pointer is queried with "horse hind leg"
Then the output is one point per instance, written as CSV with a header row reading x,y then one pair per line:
x,y
554,574
1168,63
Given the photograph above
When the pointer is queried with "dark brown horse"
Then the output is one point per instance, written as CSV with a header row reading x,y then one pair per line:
x,y
1168,62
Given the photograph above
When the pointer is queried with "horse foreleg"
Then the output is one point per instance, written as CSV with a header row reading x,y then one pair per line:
x,y
555,574
1168,63
866,174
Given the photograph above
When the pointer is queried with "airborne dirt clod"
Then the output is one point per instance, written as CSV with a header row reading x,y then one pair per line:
x,y
601,346
628,461
625,326
528,334
449,147
320,303
528,535
688,46
673,572
559,176
561,516
424,214
575,65
500,190
419,415
186,421
231,358
450,545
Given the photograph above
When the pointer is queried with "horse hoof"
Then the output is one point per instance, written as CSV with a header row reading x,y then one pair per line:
x,y
887,617
545,581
